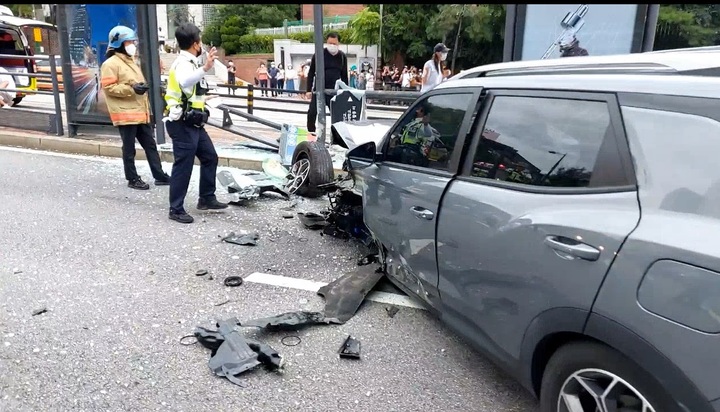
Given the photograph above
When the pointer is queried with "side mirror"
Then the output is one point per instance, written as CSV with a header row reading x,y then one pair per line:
x,y
361,156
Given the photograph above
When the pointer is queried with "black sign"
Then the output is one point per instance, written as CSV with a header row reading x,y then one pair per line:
x,y
345,107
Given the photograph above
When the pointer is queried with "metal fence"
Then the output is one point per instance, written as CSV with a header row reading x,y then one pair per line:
x,y
50,122
392,101
305,28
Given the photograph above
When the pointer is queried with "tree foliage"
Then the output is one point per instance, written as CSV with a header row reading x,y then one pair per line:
x,y
235,20
687,25
365,28
22,10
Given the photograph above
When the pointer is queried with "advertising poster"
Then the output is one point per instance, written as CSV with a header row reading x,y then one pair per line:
x,y
84,29
548,31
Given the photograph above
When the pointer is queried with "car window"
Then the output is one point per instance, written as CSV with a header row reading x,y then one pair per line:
x,y
10,42
550,142
427,134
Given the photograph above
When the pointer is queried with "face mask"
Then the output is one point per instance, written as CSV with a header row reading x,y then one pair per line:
x,y
199,50
443,56
131,49
333,48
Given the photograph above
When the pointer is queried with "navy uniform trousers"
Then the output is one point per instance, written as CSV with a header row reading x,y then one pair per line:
x,y
189,142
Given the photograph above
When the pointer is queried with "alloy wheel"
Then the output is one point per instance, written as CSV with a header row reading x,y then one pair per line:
x,y
596,390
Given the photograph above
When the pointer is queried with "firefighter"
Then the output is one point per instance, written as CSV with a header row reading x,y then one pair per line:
x,y
127,102
185,123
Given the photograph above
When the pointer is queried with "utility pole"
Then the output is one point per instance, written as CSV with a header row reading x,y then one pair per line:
x,y
320,71
380,53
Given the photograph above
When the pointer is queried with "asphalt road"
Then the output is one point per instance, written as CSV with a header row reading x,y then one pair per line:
x,y
118,281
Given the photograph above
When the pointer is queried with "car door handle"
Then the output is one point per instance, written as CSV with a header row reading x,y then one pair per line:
x,y
422,213
573,248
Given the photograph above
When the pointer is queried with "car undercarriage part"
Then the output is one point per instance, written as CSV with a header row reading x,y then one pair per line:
x,y
350,348
250,185
246,239
286,321
232,354
312,220
344,296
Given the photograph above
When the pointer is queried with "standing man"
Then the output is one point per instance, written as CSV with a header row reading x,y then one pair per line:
x,y
231,75
127,102
187,115
273,73
335,69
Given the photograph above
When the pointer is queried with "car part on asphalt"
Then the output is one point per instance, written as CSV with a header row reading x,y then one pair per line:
x,y
288,215
392,311
350,348
311,167
201,272
184,340
346,216
232,354
39,311
344,296
291,340
287,321
367,260
249,185
247,239
312,220
233,281
225,302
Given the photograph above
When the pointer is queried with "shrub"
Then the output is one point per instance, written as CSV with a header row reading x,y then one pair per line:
x,y
262,43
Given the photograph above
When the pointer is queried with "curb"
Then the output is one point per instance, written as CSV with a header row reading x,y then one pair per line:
x,y
108,149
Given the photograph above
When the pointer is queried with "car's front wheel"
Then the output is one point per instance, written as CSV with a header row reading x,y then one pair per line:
x,y
591,377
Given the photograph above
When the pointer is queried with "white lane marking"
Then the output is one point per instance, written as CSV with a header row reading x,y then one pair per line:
x,y
312,286
57,154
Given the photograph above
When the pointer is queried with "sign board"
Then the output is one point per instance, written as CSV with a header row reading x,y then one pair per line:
x,y
37,33
83,31
546,31
347,106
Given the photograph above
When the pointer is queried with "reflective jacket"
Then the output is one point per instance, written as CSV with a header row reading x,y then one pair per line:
x,y
118,74
174,93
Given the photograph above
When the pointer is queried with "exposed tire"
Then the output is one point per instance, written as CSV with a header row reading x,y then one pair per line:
x,y
321,167
16,101
590,357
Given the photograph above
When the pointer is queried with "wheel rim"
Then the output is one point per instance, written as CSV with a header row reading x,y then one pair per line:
x,y
596,390
299,173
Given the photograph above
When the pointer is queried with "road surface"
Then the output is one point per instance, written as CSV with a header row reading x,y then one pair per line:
x,y
118,281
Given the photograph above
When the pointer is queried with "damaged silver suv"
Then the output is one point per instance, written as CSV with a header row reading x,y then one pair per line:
x,y
567,226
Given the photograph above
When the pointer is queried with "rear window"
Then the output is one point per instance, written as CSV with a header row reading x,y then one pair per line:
x,y
10,42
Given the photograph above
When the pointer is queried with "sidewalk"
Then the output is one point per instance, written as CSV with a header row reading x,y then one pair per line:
x,y
230,149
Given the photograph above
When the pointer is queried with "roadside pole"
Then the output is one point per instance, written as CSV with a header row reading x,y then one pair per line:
x,y
320,70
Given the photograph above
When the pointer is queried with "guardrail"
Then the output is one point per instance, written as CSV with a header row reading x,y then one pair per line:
x,y
402,97
26,119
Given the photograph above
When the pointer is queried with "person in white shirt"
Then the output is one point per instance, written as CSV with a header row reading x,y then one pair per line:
x,y
291,76
432,70
406,76
6,82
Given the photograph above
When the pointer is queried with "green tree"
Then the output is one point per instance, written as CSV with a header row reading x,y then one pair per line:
x,y
687,25
22,10
365,28
405,29
233,21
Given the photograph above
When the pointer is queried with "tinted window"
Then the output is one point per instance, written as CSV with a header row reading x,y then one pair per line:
x,y
427,134
10,42
542,141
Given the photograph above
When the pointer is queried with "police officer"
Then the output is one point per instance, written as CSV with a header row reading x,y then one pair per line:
x,y
186,118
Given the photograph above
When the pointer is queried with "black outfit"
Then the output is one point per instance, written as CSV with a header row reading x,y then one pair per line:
x,y
188,142
144,135
272,73
335,69
231,80
574,51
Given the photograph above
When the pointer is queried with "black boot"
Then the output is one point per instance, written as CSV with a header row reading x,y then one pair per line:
x,y
181,217
211,204
138,184
164,181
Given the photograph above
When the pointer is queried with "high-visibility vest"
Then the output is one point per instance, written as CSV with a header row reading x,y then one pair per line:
x,y
411,134
174,94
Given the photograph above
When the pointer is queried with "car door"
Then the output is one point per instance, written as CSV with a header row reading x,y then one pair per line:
x,y
544,201
402,190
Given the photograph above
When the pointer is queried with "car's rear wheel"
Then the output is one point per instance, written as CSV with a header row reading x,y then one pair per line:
x,y
590,377
311,167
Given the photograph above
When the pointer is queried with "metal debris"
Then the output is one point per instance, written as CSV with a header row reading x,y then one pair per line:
x,y
287,321
350,349
39,311
248,239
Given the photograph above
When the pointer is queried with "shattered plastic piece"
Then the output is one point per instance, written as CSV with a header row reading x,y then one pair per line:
x,y
392,311
243,186
232,355
39,311
344,296
288,215
367,260
233,281
312,220
201,272
350,349
275,170
289,320
249,239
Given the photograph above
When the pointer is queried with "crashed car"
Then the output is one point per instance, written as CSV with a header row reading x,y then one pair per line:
x,y
553,235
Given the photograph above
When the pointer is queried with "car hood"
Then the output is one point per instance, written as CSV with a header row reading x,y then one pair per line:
x,y
355,133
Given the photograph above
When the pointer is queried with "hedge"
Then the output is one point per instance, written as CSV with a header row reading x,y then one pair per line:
x,y
259,43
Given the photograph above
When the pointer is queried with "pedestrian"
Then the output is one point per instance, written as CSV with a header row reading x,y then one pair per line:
x,y
187,115
262,76
129,107
335,69
231,75
281,79
273,75
291,77
432,70
6,82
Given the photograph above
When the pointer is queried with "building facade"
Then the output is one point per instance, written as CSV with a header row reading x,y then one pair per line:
x,y
330,10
